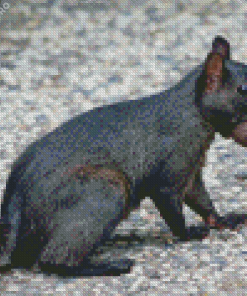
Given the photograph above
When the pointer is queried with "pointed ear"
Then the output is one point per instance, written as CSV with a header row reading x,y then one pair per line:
x,y
214,68
222,47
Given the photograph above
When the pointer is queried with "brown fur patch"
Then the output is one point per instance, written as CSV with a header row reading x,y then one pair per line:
x,y
116,179
214,73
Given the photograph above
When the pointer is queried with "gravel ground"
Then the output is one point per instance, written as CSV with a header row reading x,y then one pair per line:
x,y
61,58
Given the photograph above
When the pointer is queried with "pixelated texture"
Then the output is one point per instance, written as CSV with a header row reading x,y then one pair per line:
x,y
69,190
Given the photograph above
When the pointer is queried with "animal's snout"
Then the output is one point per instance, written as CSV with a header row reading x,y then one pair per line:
x,y
240,133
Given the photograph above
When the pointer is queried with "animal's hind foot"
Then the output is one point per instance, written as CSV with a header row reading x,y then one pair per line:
x,y
111,268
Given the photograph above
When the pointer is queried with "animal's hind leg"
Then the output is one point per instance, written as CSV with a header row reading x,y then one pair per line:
x,y
102,200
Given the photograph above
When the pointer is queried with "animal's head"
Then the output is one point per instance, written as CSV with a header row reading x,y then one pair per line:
x,y
221,92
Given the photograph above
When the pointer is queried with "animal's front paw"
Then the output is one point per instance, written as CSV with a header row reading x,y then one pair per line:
x,y
232,220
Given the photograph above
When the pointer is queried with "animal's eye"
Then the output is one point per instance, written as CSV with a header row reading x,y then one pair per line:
x,y
242,89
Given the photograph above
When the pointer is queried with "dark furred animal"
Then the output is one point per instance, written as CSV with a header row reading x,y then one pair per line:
x,y
69,190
